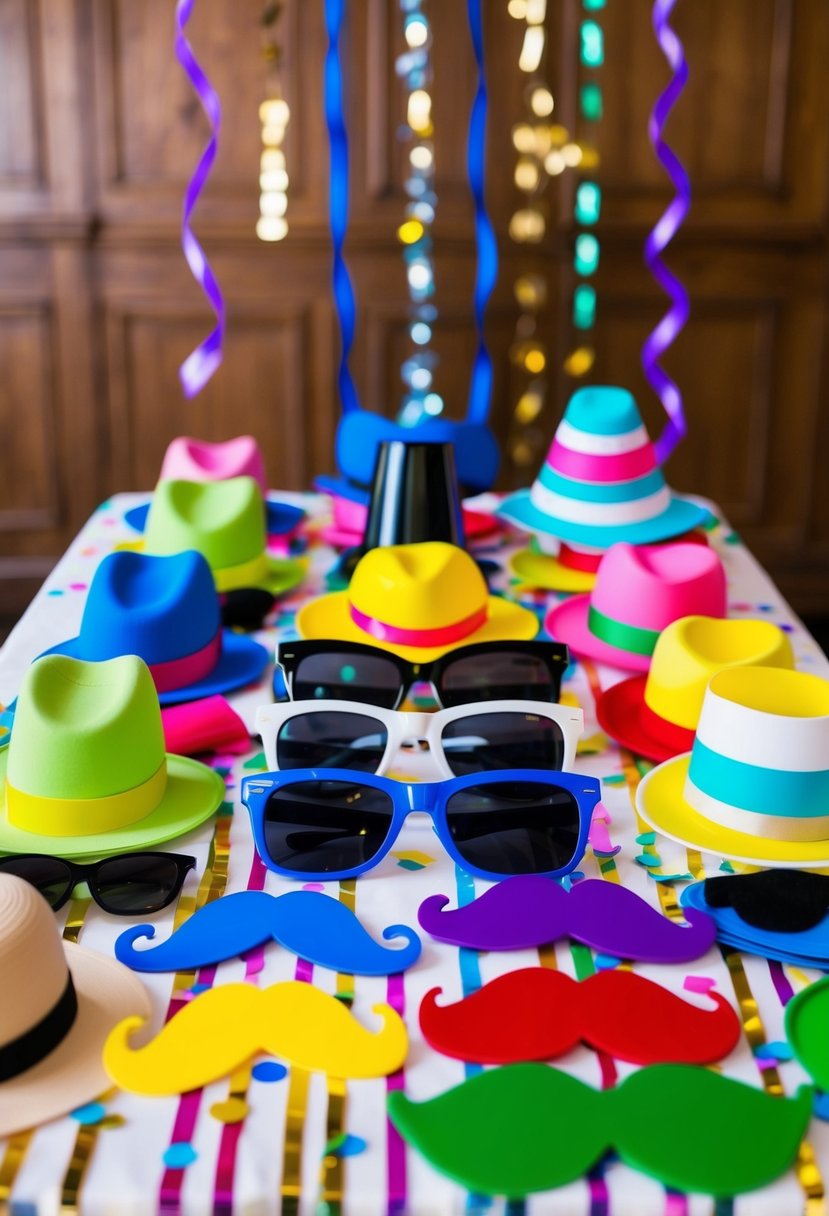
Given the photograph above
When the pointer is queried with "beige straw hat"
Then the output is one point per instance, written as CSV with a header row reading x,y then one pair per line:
x,y
59,1004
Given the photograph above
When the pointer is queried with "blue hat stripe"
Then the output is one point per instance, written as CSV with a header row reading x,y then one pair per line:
x,y
765,791
610,492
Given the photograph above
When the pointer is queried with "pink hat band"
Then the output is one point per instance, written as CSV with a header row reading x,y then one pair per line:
x,y
444,635
589,466
178,673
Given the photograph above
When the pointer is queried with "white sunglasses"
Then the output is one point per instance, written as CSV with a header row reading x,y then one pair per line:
x,y
484,736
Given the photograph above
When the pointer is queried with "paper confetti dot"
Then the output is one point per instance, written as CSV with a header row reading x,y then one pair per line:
x,y
90,1114
646,838
649,860
55,591
196,989
698,983
413,859
732,539
269,1071
606,962
179,1155
313,886
670,877
727,867
614,779
256,762
345,1145
776,1050
232,1110
77,586
821,1107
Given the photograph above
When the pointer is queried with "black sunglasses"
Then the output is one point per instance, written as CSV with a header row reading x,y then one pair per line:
x,y
128,885
353,671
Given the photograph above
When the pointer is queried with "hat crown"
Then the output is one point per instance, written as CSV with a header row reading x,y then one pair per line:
x,y
223,520
160,608
85,730
693,649
188,459
600,409
423,586
31,957
651,587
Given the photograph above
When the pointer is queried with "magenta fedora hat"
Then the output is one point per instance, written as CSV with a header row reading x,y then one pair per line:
x,y
638,593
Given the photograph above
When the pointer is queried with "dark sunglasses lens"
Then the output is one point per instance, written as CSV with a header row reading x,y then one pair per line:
x,y
502,740
331,739
340,676
497,674
51,876
132,885
326,827
514,827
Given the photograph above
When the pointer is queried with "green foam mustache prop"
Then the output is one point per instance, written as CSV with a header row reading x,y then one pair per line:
x,y
527,1127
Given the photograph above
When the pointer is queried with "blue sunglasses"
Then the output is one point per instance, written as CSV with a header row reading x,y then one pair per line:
x,y
319,824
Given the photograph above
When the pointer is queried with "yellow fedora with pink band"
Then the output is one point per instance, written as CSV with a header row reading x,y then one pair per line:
x,y
418,601
755,785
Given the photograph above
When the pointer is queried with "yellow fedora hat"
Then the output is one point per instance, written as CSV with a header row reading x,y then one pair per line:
x,y
656,715
755,785
418,601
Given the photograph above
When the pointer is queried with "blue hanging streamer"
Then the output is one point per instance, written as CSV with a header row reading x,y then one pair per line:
x,y
480,389
480,392
338,198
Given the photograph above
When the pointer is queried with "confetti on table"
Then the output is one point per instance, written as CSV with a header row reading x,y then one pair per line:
x,y
179,1155
412,859
269,1071
90,1114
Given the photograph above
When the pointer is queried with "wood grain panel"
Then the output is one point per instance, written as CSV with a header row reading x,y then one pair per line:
x,y
260,390
28,472
21,152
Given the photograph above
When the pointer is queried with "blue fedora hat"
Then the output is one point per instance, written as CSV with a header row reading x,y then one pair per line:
x,y
600,483
165,610
280,517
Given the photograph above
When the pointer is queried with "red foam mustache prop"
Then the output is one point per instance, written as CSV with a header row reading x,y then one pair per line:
x,y
538,1014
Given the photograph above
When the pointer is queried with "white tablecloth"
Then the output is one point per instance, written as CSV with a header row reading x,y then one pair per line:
x,y
116,1165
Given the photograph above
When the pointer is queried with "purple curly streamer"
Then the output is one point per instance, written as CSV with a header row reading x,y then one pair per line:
x,y
202,362
666,226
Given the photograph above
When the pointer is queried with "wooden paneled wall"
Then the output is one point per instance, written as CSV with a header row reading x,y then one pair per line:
x,y
99,131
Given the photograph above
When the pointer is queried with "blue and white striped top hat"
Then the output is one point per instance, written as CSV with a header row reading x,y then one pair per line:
x,y
755,785
600,482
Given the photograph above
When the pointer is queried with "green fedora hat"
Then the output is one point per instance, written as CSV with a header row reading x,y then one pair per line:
x,y
85,772
224,521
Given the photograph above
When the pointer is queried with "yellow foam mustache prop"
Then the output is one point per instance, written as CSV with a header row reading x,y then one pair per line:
x,y
224,1027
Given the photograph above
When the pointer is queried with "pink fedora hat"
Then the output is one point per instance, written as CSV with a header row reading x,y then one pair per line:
x,y
189,459
638,592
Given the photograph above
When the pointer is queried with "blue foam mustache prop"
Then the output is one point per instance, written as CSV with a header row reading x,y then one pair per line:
x,y
311,925
805,948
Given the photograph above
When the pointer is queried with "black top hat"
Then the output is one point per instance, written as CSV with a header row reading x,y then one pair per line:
x,y
414,497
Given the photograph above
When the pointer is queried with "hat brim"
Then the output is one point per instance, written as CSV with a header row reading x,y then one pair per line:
x,y
545,571
194,792
282,574
329,617
567,622
73,1074
241,662
621,713
660,801
280,517
681,516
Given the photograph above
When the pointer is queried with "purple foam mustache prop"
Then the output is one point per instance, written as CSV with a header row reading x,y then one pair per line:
x,y
529,911
311,925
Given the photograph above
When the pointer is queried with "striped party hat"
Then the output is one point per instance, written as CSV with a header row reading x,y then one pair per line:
x,y
600,483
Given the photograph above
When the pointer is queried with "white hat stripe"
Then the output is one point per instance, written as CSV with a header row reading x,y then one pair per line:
x,y
742,733
773,827
600,445
601,513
